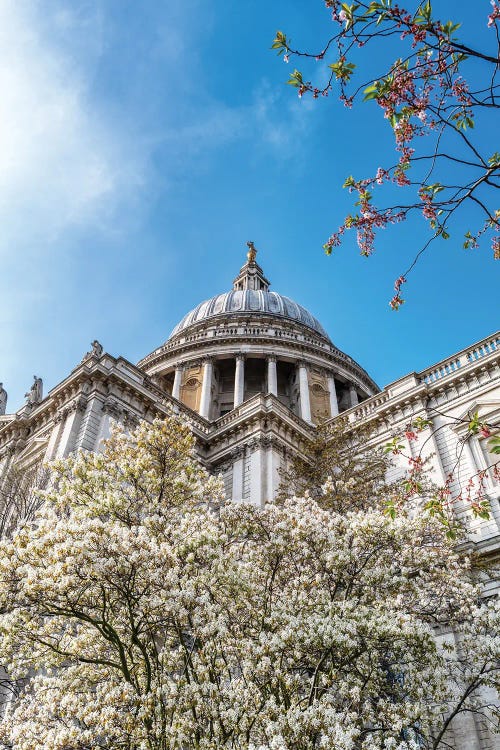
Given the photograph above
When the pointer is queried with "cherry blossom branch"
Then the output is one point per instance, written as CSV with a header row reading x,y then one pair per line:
x,y
423,94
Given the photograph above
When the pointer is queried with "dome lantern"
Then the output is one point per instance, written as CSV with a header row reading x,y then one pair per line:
x,y
251,275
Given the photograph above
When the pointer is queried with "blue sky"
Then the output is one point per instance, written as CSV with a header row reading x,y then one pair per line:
x,y
142,144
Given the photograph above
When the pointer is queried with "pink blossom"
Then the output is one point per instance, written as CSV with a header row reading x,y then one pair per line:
x,y
495,13
495,244
411,435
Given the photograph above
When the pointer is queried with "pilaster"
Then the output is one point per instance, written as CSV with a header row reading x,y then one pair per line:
x,y
237,490
73,413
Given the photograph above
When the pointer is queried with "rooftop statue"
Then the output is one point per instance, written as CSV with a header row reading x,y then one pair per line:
x,y
3,399
252,252
35,393
96,350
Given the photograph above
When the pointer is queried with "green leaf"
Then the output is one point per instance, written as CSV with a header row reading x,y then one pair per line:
x,y
474,423
296,79
494,445
371,92
390,510
280,42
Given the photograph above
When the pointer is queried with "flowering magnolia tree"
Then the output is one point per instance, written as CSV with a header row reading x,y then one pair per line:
x,y
19,498
141,612
432,94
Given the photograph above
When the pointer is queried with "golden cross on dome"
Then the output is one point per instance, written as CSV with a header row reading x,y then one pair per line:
x,y
252,252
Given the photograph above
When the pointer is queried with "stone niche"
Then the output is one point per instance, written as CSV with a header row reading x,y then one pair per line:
x,y
192,379
319,396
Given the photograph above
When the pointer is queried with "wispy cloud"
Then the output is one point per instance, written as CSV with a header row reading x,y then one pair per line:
x,y
65,161
272,122
61,163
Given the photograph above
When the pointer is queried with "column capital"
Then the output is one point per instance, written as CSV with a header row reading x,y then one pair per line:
x,y
238,452
271,357
241,356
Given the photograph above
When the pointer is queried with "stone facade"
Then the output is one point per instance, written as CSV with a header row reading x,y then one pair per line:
x,y
254,373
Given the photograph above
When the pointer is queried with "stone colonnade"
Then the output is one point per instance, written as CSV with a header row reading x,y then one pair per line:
x,y
272,385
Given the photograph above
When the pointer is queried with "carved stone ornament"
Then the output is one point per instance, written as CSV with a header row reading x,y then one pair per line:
x,y
112,408
238,452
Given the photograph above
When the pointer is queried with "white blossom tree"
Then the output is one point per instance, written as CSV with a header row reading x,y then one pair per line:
x,y
149,614
19,499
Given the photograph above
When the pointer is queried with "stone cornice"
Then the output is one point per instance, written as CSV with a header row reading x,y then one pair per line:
x,y
91,376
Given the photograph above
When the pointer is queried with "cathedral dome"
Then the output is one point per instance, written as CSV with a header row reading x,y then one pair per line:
x,y
250,342
248,301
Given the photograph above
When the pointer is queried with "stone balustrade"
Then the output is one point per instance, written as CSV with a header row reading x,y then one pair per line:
x,y
466,357
460,362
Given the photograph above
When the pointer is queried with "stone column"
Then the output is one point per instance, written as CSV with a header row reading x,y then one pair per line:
x,y
353,396
176,389
206,388
239,380
305,402
334,404
272,376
